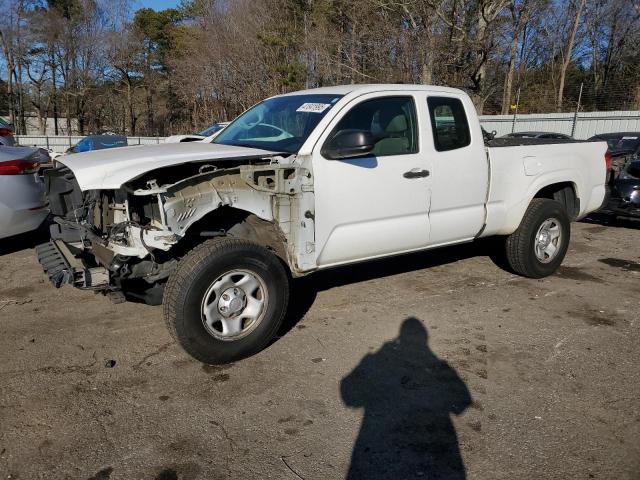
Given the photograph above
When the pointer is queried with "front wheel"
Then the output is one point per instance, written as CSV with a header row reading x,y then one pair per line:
x,y
226,300
536,249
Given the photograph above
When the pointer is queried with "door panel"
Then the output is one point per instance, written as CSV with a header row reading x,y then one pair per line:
x,y
368,207
460,174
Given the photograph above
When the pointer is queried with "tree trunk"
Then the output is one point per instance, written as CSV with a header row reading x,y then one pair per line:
x,y
132,114
68,119
480,74
54,93
566,61
426,76
518,27
511,68
8,56
150,119
12,108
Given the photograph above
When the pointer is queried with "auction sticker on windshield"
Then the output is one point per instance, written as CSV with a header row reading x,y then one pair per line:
x,y
313,107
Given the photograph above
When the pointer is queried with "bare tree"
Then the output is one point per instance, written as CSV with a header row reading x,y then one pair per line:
x,y
100,66
567,51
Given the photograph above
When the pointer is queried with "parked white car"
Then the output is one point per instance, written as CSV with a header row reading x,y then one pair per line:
x,y
361,172
22,201
205,135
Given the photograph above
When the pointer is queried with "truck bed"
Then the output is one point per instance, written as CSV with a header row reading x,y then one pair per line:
x,y
520,170
515,142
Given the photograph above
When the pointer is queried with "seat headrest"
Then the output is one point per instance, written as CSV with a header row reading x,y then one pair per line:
x,y
397,124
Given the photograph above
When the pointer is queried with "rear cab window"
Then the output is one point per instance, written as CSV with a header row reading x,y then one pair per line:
x,y
449,123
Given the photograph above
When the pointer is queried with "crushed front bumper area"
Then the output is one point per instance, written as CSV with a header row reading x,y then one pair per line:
x,y
63,268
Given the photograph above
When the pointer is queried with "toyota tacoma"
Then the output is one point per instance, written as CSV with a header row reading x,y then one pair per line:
x,y
215,232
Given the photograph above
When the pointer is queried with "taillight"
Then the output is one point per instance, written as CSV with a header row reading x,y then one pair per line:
x,y
608,160
18,167
5,132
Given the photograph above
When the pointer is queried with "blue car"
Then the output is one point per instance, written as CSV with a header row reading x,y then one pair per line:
x,y
98,142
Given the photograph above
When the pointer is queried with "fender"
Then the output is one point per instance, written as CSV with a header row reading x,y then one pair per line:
x,y
275,193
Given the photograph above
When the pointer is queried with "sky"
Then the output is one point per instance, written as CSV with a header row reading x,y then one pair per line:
x,y
155,4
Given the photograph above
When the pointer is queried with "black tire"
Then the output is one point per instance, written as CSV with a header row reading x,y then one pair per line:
x,y
520,245
197,271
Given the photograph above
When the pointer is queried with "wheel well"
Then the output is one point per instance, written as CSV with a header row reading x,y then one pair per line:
x,y
563,193
240,224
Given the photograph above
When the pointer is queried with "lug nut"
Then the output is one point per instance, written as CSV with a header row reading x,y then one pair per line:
x,y
223,308
225,297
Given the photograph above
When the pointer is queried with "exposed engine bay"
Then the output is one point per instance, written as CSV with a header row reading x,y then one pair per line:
x,y
125,242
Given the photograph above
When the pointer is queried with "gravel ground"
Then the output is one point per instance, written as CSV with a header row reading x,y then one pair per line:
x,y
437,365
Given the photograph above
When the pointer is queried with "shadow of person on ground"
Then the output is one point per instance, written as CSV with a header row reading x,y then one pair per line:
x,y
408,395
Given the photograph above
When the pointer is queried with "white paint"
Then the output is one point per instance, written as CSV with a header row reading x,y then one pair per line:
x,y
111,168
365,208
581,164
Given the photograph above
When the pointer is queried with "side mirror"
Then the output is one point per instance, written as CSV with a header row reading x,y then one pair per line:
x,y
349,143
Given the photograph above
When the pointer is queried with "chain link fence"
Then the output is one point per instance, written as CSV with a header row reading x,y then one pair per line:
x,y
585,110
61,143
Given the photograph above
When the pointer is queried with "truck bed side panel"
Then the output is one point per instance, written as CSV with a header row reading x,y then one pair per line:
x,y
518,173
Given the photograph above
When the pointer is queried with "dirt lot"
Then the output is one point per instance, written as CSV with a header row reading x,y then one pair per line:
x,y
519,379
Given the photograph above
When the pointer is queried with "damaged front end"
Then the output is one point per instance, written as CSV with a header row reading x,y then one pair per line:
x,y
126,242
101,238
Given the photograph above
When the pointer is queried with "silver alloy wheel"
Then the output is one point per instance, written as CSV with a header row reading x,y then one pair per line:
x,y
548,240
234,305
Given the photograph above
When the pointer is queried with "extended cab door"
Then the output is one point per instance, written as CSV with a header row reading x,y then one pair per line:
x,y
376,205
460,170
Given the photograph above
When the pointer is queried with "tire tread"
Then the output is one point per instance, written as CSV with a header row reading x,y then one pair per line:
x,y
188,266
517,248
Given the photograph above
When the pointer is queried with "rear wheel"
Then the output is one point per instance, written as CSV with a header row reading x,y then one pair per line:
x,y
226,300
536,249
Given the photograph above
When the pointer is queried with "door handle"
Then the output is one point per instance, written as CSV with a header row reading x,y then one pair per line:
x,y
416,173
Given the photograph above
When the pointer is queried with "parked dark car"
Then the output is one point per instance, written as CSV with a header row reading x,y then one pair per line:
x,y
538,135
624,179
620,143
624,198
98,142
623,147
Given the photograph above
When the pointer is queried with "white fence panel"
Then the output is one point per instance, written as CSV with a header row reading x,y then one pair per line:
x,y
587,123
62,143
145,140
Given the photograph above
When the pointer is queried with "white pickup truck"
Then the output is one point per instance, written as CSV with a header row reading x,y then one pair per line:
x,y
302,182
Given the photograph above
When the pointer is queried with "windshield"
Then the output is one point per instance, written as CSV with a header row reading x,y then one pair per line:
x,y
280,124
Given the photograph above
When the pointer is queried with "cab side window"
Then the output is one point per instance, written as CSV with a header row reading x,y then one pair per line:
x,y
448,123
392,121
